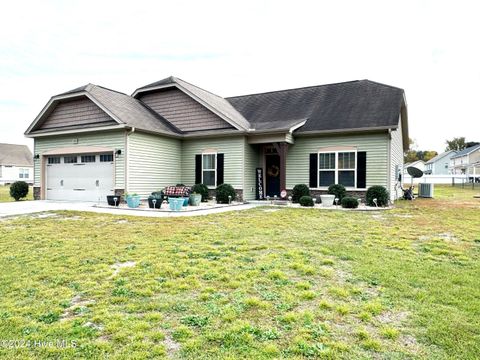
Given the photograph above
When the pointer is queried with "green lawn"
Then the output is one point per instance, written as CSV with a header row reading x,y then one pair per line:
x,y
5,194
263,283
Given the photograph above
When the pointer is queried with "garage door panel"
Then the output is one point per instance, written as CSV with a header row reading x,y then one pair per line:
x,y
82,181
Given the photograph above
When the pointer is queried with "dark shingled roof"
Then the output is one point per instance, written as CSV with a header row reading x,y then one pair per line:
x,y
349,105
18,155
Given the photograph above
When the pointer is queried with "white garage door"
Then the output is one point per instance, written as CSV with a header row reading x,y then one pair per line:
x,y
79,177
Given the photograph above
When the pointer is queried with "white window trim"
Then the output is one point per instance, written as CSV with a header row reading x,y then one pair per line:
x,y
336,170
214,170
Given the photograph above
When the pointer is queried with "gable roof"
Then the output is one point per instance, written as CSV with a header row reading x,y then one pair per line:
x,y
466,151
360,105
124,109
440,156
349,105
18,155
213,102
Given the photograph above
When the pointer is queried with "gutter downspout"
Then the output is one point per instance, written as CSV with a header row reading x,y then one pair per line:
x,y
127,163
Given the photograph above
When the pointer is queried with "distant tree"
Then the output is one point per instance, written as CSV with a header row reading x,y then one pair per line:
x,y
456,144
413,154
427,155
471,143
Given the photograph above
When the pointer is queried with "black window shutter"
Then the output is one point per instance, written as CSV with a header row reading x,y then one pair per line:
x,y
313,183
198,169
361,169
220,159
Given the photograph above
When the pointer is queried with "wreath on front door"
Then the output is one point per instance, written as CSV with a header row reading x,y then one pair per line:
x,y
273,171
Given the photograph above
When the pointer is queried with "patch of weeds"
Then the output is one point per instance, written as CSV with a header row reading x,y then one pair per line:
x,y
374,308
49,318
303,285
325,305
277,275
182,333
339,292
131,247
371,344
308,295
342,309
122,292
195,321
179,307
389,333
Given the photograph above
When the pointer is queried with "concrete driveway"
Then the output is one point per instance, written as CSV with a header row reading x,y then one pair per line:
x,y
30,207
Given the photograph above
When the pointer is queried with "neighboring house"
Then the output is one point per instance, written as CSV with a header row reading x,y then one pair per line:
x,y
16,163
419,164
439,165
466,162
92,141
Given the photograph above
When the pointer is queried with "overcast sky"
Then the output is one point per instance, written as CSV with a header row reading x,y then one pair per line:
x,y
429,48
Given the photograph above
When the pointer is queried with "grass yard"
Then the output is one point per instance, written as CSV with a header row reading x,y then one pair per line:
x,y
264,283
5,194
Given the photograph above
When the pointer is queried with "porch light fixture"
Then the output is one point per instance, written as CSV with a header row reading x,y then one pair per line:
x,y
118,152
37,156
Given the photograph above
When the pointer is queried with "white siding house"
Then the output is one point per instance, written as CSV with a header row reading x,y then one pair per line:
x,y
440,164
16,163
466,162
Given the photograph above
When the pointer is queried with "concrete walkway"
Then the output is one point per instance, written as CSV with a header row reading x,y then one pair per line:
x,y
30,207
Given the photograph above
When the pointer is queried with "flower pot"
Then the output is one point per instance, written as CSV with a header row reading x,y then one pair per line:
x,y
133,201
158,202
175,204
114,200
327,200
185,201
195,199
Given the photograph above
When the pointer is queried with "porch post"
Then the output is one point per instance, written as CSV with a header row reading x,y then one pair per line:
x,y
282,152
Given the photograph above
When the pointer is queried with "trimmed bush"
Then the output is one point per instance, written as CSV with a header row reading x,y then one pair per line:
x,y
19,190
201,189
349,202
379,193
223,192
338,190
299,191
306,201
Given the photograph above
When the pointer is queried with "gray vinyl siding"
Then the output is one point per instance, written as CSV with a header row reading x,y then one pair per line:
x,y
375,144
396,159
182,111
252,161
111,139
231,147
76,113
153,163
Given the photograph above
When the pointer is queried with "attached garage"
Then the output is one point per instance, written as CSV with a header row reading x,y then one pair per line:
x,y
79,176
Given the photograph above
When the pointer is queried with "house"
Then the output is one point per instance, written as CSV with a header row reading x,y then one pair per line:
x,y
419,164
93,141
16,163
466,162
439,165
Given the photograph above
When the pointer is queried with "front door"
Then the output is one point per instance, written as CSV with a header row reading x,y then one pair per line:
x,y
272,176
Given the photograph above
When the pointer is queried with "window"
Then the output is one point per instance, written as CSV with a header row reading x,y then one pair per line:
x,y
106,158
337,167
23,173
209,169
326,175
70,160
88,158
54,160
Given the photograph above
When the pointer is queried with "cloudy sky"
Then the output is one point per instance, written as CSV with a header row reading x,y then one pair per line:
x,y
429,48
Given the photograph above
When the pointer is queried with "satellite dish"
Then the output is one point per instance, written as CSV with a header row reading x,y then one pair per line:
x,y
414,172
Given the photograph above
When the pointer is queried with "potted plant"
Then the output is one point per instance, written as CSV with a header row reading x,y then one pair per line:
x,y
195,199
114,200
155,200
133,200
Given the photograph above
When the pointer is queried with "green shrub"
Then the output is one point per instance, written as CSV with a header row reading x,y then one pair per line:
x,y
201,189
299,191
19,190
349,202
379,193
306,201
223,192
338,190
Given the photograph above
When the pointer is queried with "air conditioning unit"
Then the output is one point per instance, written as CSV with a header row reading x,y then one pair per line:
x,y
425,190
